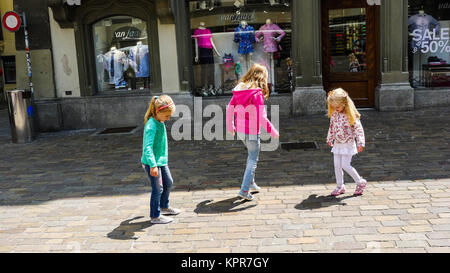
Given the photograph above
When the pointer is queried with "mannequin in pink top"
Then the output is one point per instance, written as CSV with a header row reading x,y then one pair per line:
x,y
271,35
204,56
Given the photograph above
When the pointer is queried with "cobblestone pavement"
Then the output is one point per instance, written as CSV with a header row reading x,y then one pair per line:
x,y
75,191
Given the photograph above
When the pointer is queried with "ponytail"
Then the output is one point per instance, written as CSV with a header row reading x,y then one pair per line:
x,y
151,111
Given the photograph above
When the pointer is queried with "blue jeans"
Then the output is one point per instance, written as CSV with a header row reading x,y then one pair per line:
x,y
161,186
253,144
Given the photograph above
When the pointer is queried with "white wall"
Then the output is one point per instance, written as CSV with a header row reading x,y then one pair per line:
x,y
168,58
64,59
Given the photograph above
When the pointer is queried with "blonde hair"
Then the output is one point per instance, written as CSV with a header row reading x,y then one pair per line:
x,y
340,97
158,102
256,77
352,57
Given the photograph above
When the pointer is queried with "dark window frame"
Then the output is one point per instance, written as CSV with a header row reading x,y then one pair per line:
x,y
87,15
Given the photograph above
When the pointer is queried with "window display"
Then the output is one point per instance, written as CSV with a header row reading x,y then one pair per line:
x,y
428,43
229,36
122,54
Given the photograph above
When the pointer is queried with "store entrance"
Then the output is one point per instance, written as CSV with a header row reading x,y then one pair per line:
x,y
350,48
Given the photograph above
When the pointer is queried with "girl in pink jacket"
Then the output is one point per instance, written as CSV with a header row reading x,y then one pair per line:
x,y
245,115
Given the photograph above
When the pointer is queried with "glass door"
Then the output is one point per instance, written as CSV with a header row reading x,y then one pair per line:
x,y
350,48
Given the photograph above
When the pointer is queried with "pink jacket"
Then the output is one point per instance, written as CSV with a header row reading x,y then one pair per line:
x,y
247,109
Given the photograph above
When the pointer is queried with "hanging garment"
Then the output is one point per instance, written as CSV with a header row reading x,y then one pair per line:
x,y
138,57
228,60
245,36
422,22
272,35
203,37
116,63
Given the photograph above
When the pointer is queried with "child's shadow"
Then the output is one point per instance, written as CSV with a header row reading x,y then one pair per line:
x,y
226,205
316,202
126,229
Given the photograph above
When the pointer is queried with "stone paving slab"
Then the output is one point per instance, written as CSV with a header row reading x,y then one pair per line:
x,y
78,192
224,223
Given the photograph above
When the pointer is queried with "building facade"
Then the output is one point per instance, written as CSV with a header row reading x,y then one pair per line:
x,y
7,54
96,63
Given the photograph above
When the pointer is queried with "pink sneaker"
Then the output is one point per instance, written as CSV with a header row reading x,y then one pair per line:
x,y
338,191
360,187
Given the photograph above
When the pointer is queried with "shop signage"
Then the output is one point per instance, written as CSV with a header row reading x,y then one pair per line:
x,y
374,2
445,5
432,40
127,33
73,2
243,16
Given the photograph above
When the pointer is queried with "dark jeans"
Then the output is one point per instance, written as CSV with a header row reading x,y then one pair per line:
x,y
161,187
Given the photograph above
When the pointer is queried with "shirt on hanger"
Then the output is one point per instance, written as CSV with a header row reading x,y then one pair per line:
x,y
116,64
139,61
269,32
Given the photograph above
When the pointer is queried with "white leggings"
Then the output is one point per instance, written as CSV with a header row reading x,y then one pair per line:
x,y
342,162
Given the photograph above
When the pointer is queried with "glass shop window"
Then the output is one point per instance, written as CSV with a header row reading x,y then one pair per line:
x,y
9,69
229,36
348,40
429,43
122,54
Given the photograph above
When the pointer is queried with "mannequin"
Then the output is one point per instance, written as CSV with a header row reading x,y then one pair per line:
x,y
138,58
271,35
244,34
116,63
204,55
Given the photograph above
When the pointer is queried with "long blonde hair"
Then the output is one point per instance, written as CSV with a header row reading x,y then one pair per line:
x,y
256,77
158,102
340,97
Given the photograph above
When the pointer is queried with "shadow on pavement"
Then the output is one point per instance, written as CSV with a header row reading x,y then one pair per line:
x,y
127,229
226,205
400,146
316,202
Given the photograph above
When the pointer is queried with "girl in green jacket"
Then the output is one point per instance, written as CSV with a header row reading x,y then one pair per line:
x,y
154,158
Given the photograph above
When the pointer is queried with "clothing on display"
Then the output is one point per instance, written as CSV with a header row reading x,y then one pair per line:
x,y
138,57
205,49
245,36
423,22
116,62
228,61
206,56
272,35
203,37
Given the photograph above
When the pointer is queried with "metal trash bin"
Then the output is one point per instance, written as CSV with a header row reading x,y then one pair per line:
x,y
21,112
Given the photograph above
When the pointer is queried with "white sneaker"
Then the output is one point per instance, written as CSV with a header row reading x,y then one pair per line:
x,y
255,187
170,211
161,220
247,196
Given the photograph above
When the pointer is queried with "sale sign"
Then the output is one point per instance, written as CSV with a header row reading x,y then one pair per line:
x,y
431,40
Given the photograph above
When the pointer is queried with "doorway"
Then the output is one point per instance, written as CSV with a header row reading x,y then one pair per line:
x,y
350,48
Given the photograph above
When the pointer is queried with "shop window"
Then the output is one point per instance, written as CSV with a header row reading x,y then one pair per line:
x,y
229,36
429,43
122,54
9,69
